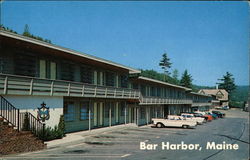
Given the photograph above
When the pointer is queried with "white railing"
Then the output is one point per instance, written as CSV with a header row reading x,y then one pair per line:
x,y
155,100
22,85
199,104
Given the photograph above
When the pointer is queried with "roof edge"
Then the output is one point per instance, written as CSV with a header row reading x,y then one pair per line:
x,y
63,49
164,83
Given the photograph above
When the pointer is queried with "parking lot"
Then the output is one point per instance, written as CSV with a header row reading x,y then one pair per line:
x,y
124,142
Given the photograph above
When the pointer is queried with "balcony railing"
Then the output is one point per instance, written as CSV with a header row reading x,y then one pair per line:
x,y
199,104
154,100
22,85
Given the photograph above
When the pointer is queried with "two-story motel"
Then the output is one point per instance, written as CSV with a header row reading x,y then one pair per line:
x,y
90,92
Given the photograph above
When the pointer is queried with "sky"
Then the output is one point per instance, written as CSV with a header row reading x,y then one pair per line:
x,y
206,38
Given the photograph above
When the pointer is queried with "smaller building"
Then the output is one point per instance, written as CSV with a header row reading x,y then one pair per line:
x,y
220,96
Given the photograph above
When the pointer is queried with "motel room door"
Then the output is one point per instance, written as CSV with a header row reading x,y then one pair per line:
x,y
98,114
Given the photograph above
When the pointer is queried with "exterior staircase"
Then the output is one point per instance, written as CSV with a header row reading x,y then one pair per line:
x,y
13,137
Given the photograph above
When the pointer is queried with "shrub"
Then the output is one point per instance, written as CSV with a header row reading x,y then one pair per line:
x,y
53,133
26,122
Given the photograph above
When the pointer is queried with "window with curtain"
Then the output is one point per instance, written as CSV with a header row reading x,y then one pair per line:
x,y
69,111
84,111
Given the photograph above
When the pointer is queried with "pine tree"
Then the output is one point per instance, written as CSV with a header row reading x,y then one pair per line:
x,y
26,31
175,76
186,80
227,83
165,65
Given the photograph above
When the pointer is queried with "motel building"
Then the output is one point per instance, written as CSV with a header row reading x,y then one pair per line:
x,y
89,92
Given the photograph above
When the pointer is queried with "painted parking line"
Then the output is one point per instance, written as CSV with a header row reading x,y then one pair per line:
x,y
60,156
76,145
125,155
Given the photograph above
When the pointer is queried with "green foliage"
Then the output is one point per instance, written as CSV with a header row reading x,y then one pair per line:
x,y
227,83
26,33
53,133
196,88
236,104
26,122
239,96
165,63
7,29
175,76
186,80
61,125
158,76
240,93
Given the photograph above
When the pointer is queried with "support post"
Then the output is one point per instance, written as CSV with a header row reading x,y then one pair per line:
x,y
125,114
31,86
110,115
5,85
89,119
52,87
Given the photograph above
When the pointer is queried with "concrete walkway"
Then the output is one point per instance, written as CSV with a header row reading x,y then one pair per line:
x,y
71,137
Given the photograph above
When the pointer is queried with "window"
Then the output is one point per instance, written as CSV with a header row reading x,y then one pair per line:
x,y
135,86
153,91
143,113
25,64
47,69
67,71
158,92
110,79
86,75
69,111
143,90
109,105
124,81
123,105
84,111
112,109
106,110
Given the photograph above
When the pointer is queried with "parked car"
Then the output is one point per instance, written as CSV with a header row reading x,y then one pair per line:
x,y
174,121
225,108
207,117
188,116
219,114
203,113
218,107
215,116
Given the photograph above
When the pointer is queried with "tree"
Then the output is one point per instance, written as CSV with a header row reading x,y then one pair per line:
x,y
186,80
26,31
165,64
227,83
175,76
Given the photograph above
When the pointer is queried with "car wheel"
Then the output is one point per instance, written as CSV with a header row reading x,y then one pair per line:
x,y
159,125
185,126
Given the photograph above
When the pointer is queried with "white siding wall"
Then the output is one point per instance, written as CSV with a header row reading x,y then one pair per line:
x,y
31,103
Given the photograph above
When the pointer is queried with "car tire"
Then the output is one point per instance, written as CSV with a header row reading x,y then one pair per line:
x,y
159,125
185,126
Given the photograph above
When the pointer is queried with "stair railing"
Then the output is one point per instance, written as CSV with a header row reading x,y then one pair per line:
x,y
10,113
22,121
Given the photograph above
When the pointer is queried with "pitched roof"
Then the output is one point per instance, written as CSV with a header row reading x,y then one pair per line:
x,y
215,92
163,83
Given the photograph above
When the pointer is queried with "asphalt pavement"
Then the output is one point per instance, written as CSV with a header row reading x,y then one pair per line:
x,y
226,138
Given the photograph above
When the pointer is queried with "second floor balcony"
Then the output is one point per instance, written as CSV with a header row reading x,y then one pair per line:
x,y
156,100
23,85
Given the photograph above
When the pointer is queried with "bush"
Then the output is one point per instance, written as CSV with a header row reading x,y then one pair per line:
x,y
26,122
53,133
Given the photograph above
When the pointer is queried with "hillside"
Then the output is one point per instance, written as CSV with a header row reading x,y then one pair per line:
x,y
240,94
